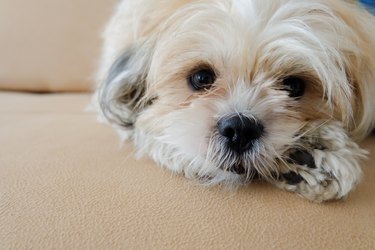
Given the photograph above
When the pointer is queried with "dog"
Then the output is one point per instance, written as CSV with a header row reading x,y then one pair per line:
x,y
228,91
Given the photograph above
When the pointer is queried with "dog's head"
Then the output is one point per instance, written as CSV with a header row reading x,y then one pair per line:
x,y
227,86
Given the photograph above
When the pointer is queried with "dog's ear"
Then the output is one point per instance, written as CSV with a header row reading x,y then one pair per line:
x,y
121,95
360,66
350,32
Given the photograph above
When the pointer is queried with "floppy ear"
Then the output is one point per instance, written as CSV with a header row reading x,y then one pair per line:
x,y
364,78
361,66
122,94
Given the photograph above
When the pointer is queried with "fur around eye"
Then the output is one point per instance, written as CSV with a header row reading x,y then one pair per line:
x,y
295,86
202,79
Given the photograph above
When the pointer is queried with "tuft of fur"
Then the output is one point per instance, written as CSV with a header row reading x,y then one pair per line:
x,y
151,48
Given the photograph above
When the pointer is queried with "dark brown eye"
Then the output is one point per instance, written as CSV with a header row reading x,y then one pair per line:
x,y
295,86
202,79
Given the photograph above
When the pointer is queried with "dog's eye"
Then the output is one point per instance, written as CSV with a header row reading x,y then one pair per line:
x,y
295,86
202,79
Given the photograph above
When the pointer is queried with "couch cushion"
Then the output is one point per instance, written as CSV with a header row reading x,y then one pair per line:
x,y
66,184
50,45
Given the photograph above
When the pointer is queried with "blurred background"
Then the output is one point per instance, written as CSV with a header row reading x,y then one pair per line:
x,y
370,5
50,45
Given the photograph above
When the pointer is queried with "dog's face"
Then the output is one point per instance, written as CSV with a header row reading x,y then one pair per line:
x,y
222,89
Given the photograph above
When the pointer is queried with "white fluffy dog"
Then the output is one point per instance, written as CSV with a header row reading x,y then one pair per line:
x,y
224,91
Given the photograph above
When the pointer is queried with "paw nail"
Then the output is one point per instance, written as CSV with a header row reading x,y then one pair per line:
x,y
301,157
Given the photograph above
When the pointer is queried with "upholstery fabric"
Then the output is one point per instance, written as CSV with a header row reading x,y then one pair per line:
x,y
65,183
50,45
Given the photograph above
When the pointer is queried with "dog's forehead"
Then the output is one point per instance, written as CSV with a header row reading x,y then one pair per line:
x,y
242,29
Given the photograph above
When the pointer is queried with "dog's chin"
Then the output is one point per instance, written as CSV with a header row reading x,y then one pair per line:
x,y
217,164
259,162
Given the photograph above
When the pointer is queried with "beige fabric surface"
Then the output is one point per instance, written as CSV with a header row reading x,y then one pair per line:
x,y
66,184
50,45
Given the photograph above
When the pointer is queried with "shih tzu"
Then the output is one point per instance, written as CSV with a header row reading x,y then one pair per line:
x,y
225,91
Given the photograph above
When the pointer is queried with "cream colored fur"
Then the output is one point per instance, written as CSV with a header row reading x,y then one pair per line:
x,y
151,46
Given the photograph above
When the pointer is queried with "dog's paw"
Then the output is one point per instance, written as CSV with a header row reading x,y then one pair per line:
x,y
305,178
325,167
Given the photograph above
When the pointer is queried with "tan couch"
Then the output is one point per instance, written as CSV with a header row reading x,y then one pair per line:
x,y
66,184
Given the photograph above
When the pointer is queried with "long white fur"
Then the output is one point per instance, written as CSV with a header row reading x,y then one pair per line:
x,y
252,44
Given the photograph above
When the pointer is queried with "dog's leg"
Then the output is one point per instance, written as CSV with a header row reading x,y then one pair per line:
x,y
326,165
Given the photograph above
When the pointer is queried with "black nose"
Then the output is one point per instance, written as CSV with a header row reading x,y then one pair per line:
x,y
240,131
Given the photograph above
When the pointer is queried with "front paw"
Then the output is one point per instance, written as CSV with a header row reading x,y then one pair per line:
x,y
326,167
304,177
